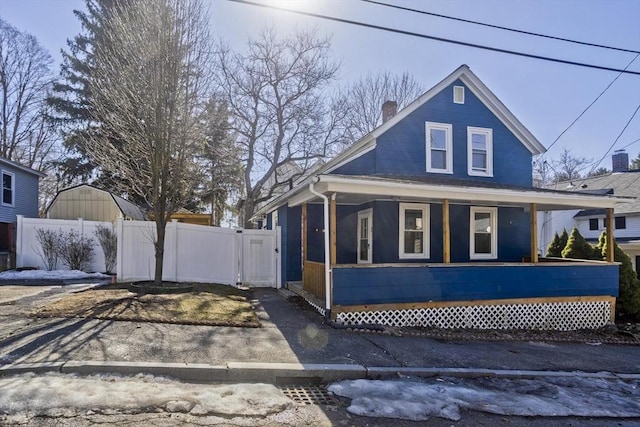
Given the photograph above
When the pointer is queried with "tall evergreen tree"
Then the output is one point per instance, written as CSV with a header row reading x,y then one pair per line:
x,y
71,97
221,160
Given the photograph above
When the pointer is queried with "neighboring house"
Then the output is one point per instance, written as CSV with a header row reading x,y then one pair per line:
x,y
591,222
19,197
427,221
92,204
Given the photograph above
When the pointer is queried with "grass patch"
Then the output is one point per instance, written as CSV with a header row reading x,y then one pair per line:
x,y
206,304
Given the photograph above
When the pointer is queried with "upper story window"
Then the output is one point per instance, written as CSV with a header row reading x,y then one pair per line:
x,y
593,224
458,94
414,231
484,233
439,147
479,151
8,182
620,222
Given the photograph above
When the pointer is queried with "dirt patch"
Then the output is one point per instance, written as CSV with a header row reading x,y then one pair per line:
x,y
206,304
626,334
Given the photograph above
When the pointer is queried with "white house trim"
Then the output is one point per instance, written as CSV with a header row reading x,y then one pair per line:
x,y
488,134
493,232
426,225
381,187
448,156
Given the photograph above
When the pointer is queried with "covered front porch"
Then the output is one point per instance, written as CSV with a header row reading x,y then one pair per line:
x,y
409,253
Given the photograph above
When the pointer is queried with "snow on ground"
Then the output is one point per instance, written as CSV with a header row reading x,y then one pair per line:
x,y
418,401
56,394
49,275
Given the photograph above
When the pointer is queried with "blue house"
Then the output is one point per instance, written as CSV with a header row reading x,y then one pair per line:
x,y
430,220
19,197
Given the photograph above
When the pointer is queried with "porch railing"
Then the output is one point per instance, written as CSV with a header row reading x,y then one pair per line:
x,y
313,279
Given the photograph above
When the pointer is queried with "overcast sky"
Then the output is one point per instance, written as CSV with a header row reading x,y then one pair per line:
x,y
545,96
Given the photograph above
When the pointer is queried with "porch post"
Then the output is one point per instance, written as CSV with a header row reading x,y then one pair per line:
x,y
534,233
332,226
304,234
446,233
609,221
332,239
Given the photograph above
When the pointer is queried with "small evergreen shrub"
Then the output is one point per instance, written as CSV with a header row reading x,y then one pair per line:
x,y
555,249
76,251
109,243
577,247
49,250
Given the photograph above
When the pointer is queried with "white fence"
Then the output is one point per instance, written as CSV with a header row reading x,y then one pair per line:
x,y
192,253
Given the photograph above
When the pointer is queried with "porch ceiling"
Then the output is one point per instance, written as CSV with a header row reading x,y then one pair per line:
x,y
361,189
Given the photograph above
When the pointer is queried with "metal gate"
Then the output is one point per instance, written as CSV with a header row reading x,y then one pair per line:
x,y
259,260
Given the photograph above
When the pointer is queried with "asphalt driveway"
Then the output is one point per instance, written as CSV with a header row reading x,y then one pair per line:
x,y
290,333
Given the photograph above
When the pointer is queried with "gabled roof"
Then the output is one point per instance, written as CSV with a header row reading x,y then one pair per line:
x,y
368,142
479,89
620,184
15,165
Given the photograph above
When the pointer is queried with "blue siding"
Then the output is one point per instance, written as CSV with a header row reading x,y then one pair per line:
x,y
513,233
401,150
25,196
384,285
315,232
290,253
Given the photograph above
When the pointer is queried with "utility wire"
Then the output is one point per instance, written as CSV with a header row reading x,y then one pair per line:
x,y
617,138
408,9
440,39
590,105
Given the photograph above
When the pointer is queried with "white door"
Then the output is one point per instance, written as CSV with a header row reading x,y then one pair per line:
x,y
365,234
259,258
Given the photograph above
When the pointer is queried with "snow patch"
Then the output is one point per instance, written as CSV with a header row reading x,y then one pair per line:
x,y
49,275
553,397
55,394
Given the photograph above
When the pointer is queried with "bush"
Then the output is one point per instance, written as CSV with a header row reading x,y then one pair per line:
x,y
628,302
109,243
577,247
555,247
50,242
76,251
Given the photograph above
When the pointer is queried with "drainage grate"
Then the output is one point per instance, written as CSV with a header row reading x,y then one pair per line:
x,y
309,395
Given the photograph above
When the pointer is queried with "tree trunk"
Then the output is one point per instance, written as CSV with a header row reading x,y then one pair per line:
x,y
248,211
159,247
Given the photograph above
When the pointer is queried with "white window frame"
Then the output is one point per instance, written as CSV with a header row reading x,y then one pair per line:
x,y
494,232
459,89
13,188
447,127
426,224
488,133
369,214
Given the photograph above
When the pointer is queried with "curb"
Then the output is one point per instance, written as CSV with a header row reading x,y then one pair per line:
x,y
286,373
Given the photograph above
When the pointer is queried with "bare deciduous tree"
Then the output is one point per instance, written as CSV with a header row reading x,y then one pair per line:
x,y
26,133
276,94
364,99
149,86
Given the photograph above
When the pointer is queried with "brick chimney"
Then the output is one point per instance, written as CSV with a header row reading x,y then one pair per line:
x,y
389,109
620,161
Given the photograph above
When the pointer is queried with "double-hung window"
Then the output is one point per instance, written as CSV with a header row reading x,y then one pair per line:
x,y
439,147
484,233
479,151
8,183
414,231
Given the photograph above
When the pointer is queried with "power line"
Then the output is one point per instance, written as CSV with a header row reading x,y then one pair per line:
x,y
440,39
617,138
408,9
590,105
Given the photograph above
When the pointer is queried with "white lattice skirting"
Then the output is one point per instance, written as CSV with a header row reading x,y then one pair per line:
x,y
561,316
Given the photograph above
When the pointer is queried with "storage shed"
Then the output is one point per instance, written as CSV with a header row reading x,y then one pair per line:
x,y
92,204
